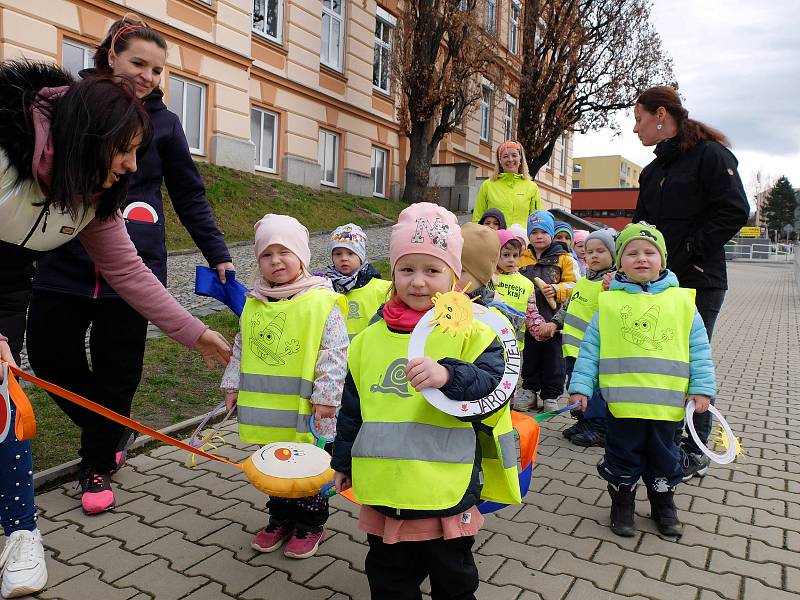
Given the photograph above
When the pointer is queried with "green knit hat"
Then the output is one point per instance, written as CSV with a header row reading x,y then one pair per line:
x,y
642,231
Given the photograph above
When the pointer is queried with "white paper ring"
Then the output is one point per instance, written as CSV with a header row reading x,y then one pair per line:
x,y
722,459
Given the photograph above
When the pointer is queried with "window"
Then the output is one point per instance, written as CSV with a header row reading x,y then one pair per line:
x,y
491,16
384,24
188,100
513,27
263,128
508,131
576,184
563,162
332,36
328,156
486,103
75,57
379,172
268,19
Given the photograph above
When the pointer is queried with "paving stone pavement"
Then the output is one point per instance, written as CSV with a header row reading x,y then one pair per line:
x,y
184,533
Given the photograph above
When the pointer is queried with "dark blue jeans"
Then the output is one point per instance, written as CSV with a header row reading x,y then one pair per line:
x,y
708,302
17,507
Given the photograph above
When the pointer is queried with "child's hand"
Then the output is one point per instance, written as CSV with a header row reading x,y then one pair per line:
x,y
607,280
230,400
323,411
700,402
579,398
341,482
426,373
546,330
549,291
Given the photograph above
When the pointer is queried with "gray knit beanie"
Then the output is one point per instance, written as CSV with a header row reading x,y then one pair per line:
x,y
607,236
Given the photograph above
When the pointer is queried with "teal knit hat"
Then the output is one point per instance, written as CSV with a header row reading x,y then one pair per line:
x,y
642,231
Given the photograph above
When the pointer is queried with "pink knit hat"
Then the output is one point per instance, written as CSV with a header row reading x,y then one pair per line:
x,y
426,228
519,231
505,236
284,230
580,235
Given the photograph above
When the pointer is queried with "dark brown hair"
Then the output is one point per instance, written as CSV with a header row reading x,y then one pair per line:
x,y
690,131
120,35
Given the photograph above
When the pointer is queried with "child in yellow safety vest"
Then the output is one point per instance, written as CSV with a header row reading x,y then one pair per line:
x,y
647,351
352,275
516,290
418,494
572,319
289,361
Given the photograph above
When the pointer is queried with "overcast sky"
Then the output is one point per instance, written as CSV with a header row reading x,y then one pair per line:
x,y
738,66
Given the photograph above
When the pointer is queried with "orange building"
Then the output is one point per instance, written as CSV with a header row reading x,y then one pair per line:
x,y
292,89
613,207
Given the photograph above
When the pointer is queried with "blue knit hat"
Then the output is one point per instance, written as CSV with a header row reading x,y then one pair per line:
x,y
541,219
562,226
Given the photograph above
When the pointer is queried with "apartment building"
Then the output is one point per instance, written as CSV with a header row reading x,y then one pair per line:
x,y
293,89
604,172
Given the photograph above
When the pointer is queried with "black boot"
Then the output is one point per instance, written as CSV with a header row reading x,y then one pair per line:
x,y
664,512
623,503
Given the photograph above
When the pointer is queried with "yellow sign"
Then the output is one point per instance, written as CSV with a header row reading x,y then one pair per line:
x,y
753,232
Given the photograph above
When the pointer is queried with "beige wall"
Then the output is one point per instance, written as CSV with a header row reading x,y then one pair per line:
x,y
606,172
216,46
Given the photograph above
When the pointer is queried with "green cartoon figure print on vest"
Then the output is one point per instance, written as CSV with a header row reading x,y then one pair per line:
x,y
643,330
265,340
394,381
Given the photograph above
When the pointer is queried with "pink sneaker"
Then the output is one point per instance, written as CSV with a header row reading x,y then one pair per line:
x,y
303,544
270,538
97,494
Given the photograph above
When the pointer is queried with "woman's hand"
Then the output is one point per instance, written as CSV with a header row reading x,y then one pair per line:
x,y
580,398
341,482
426,373
213,347
221,268
230,400
701,402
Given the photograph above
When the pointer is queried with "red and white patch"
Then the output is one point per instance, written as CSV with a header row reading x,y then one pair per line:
x,y
140,211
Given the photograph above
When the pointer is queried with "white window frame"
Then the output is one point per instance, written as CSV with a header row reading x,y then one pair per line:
x,y
513,26
490,17
375,152
486,113
563,163
386,20
278,38
508,119
263,114
325,137
88,53
333,15
182,115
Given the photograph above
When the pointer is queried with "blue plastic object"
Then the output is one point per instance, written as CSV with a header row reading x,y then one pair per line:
x,y
231,293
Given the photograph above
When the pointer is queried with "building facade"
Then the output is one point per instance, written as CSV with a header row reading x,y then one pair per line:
x,y
604,172
611,207
293,89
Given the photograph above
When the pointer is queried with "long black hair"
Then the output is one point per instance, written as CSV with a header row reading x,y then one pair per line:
x,y
97,118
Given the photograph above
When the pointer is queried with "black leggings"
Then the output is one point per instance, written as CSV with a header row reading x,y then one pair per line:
x,y
57,325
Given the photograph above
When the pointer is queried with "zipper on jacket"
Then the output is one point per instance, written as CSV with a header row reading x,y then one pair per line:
x,y
44,213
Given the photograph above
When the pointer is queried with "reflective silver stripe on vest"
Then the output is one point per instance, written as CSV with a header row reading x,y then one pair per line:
x,y
276,384
509,449
576,322
644,395
268,417
415,441
654,366
570,339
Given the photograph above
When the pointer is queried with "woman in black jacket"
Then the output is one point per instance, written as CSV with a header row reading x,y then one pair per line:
x,y
67,282
693,194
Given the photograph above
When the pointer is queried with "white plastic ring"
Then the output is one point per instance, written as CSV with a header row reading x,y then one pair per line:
x,y
508,382
722,459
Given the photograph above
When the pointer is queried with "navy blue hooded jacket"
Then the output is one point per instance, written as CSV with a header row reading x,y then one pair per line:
x,y
69,269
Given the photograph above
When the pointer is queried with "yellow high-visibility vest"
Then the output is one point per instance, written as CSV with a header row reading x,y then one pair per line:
x,y
581,309
363,303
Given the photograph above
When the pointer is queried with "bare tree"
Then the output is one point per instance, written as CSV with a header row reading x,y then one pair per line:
x,y
583,60
439,54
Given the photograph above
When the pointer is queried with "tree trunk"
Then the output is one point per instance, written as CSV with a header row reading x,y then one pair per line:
x,y
418,167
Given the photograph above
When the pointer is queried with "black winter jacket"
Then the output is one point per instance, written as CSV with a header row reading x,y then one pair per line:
x,y
69,269
696,199
468,381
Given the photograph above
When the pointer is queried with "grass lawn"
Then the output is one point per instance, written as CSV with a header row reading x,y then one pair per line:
x,y
239,199
176,385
